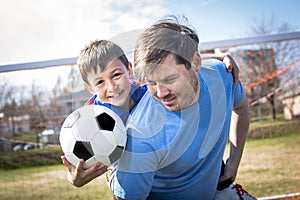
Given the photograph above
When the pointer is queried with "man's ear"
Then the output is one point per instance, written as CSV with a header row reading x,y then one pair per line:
x,y
197,61
89,88
130,70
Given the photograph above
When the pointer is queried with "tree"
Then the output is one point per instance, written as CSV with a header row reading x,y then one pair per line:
x,y
261,76
267,62
38,116
58,88
74,81
9,105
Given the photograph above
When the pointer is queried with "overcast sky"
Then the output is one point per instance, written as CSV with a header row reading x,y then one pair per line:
x,y
37,30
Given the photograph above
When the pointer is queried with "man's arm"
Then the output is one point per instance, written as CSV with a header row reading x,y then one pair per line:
x,y
239,127
78,176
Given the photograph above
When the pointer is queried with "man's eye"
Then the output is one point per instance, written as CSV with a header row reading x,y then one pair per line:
x,y
168,81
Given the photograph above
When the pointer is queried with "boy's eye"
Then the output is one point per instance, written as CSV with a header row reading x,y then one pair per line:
x,y
116,75
99,82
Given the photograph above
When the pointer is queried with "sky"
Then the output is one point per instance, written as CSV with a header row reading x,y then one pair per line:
x,y
39,30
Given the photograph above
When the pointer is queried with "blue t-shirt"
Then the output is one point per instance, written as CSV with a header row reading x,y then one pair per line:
x,y
136,92
178,155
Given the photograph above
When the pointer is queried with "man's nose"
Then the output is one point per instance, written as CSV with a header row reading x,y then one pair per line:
x,y
161,91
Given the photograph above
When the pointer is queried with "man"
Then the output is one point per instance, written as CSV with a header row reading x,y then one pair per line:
x,y
178,131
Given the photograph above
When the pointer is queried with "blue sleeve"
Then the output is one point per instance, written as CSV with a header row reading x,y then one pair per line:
x,y
238,94
228,81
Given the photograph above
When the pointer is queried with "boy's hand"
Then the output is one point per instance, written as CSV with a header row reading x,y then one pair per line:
x,y
78,176
231,66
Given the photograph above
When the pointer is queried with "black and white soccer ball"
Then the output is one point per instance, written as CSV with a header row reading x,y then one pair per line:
x,y
93,133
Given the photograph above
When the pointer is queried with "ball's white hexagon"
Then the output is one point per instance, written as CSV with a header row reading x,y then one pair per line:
x,y
104,160
120,133
67,140
86,126
72,158
71,119
88,163
103,143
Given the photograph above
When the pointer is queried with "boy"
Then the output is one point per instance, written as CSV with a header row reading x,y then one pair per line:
x,y
107,74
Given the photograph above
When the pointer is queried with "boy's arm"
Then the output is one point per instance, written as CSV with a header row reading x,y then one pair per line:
x,y
229,62
78,176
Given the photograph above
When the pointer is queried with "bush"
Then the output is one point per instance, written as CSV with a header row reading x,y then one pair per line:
x,y
274,129
30,158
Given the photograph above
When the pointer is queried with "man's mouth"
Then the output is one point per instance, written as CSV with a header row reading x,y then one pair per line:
x,y
169,101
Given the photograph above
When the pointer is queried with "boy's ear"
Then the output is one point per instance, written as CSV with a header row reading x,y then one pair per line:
x,y
130,70
89,88
197,61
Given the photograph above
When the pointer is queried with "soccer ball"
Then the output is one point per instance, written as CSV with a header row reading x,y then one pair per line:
x,y
93,133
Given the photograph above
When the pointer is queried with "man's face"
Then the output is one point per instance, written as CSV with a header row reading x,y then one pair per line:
x,y
173,85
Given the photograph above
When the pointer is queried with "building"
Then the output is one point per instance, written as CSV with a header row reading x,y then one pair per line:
x,y
291,103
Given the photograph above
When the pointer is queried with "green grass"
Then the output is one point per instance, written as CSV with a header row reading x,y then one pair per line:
x,y
47,183
270,166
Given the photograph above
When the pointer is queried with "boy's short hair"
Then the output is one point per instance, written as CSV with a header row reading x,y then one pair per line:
x,y
97,55
165,37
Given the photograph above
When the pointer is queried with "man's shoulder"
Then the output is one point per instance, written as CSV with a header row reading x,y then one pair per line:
x,y
215,71
213,64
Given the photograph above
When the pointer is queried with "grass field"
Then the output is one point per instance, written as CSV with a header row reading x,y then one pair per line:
x,y
269,166
47,183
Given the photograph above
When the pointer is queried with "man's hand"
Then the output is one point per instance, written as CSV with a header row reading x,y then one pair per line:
x,y
78,176
229,173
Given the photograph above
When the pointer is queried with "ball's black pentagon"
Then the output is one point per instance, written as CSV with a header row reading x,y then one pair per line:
x,y
83,150
105,122
116,154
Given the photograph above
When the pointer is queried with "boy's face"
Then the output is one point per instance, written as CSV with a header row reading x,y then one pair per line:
x,y
173,85
112,85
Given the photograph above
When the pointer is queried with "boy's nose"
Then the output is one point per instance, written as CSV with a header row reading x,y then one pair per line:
x,y
111,84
